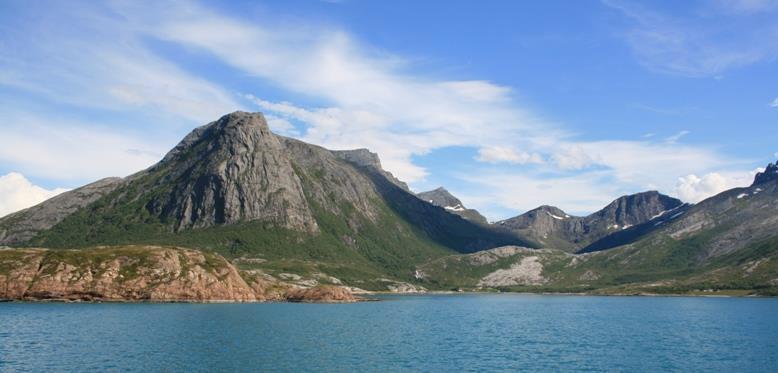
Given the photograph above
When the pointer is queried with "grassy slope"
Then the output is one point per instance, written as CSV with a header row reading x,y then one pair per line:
x,y
661,266
142,256
658,265
463,271
389,247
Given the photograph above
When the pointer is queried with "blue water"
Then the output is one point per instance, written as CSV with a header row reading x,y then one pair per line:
x,y
414,333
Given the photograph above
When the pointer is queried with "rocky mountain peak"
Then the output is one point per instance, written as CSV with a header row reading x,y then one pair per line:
x,y
551,227
635,208
242,119
770,173
443,198
552,211
362,157
230,170
234,129
367,159
440,197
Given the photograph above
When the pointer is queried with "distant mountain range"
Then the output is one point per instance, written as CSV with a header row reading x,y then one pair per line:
x,y
299,214
625,217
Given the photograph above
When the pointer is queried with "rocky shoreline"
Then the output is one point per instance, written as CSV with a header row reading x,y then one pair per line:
x,y
144,274
177,275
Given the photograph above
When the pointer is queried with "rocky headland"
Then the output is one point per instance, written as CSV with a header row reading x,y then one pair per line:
x,y
144,273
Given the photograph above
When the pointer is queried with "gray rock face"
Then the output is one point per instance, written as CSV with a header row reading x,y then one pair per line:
x,y
25,224
367,159
361,157
234,171
732,219
440,197
551,227
769,174
230,171
443,198
327,175
632,210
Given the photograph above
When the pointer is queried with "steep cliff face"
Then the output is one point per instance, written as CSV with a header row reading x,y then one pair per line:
x,y
443,198
229,171
551,227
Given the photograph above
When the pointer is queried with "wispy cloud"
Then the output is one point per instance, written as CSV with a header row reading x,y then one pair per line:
x,y
354,96
500,154
84,55
372,99
519,192
774,103
705,43
674,138
56,149
368,97
747,6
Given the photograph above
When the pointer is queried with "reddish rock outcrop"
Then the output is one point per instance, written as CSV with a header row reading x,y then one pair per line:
x,y
129,273
321,294
144,273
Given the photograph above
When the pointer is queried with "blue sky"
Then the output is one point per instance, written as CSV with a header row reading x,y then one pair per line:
x,y
510,105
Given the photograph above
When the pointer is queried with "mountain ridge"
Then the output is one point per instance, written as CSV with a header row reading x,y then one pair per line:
x,y
550,226
279,208
234,187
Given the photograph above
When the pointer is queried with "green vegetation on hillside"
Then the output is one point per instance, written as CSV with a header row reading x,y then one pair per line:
x,y
658,266
388,247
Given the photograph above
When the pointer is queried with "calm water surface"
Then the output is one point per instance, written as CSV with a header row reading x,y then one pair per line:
x,y
416,333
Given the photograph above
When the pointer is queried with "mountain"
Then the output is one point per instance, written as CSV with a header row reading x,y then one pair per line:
x,y
234,187
237,212
769,174
731,220
443,198
22,226
551,227
727,243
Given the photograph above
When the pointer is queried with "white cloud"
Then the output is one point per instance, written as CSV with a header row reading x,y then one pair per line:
x,y
575,157
494,191
592,174
17,193
499,154
693,188
54,148
363,98
674,138
100,61
370,98
698,45
372,101
774,103
281,126
640,164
